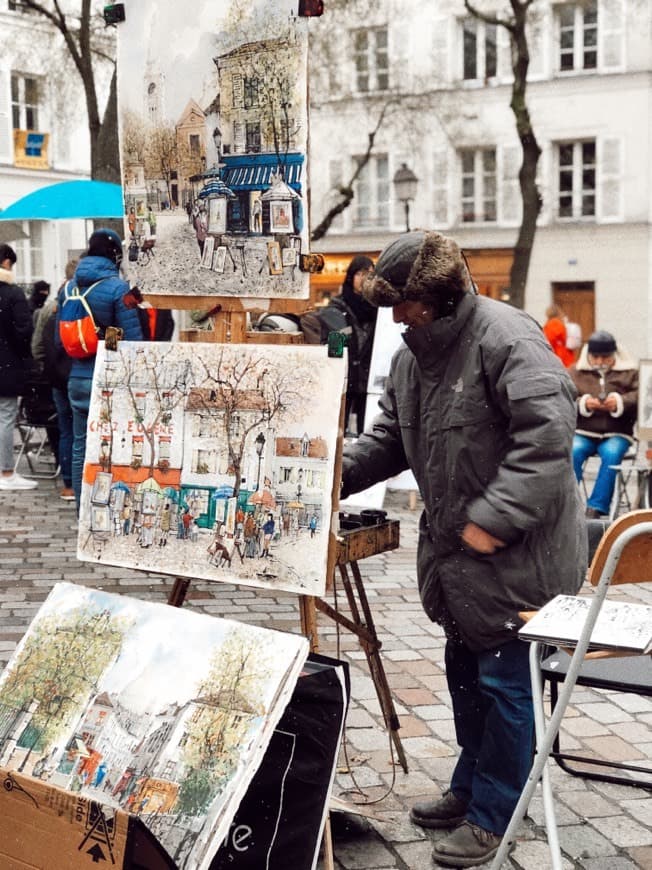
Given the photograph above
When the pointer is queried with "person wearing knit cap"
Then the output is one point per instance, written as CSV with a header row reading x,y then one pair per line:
x,y
606,378
351,314
478,407
99,267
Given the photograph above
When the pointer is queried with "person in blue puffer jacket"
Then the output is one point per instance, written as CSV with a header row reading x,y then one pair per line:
x,y
101,263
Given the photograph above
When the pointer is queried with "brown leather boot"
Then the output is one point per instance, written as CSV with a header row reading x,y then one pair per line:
x,y
468,846
447,812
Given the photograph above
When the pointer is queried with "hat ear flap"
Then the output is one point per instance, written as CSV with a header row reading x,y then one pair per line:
x,y
379,292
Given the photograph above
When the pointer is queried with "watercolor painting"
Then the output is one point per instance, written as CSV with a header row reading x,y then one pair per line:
x,y
214,133
160,711
218,460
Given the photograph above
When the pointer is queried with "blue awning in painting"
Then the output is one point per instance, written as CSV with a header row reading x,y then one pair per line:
x,y
254,171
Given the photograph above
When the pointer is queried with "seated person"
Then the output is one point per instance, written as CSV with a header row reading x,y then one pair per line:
x,y
607,384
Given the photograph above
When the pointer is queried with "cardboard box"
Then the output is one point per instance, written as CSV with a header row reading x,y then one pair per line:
x,y
46,828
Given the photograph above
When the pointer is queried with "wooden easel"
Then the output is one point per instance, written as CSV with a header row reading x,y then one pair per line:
x,y
230,326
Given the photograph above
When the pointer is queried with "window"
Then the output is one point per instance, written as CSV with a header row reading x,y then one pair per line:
x,y
372,193
251,98
578,36
24,102
253,137
577,179
193,144
30,252
371,59
478,185
480,49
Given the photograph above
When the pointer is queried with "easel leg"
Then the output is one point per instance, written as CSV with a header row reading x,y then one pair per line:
x,y
178,594
308,613
372,651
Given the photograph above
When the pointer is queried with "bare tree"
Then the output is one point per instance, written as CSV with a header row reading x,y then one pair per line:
x,y
89,46
515,25
162,156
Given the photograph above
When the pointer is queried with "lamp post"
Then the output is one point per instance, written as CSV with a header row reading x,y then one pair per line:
x,y
260,446
405,185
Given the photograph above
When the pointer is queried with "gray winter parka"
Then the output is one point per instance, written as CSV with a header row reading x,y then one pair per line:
x,y
482,411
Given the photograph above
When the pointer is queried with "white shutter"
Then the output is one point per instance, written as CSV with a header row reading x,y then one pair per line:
x,y
537,30
440,184
511,205
237,85
6,129
440,50
333,196
239,141
505,73
610,153
544,183
611,29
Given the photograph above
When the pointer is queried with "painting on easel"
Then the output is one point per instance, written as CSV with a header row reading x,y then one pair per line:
x,y
214,132
218,461
163,712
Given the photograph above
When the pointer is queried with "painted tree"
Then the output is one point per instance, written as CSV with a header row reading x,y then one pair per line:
x,y
516,25
59,666
248,392
91,48
228,700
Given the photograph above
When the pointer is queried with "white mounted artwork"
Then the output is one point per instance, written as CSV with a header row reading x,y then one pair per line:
x,y
215,459
216,117
163,712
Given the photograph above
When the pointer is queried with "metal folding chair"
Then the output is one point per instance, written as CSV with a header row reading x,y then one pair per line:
x,y
37,429
623,556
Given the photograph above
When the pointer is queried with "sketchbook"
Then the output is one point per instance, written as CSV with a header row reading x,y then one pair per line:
x,y
620,625
162,712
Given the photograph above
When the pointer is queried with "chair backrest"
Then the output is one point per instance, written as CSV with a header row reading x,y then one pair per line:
x,y
635,562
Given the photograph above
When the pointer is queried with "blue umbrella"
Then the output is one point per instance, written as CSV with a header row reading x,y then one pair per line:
x,y
68,200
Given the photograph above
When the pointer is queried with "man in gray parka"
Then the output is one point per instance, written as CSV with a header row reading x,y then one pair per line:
x,y
482,411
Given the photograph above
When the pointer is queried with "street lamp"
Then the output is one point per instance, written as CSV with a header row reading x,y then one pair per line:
x,y
405,185
260,446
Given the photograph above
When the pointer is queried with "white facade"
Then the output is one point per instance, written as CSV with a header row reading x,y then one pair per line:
x,y
447,115
40,93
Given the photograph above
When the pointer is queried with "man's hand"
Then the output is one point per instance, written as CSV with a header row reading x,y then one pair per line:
x,y
610,404
479,540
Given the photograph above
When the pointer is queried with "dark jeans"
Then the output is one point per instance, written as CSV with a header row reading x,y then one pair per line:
x,y
494,725
79,394
64,420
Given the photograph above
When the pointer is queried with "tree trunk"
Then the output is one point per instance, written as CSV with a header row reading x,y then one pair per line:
x,y
527,175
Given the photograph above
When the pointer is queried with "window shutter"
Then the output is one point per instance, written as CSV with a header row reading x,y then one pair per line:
x,y
6,145
611,15
511,192
238,91
440,177
536,31
238,137
544,177
440,51
333,197
610,153
504,55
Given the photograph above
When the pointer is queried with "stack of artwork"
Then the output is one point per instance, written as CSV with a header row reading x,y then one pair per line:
x,y
157,710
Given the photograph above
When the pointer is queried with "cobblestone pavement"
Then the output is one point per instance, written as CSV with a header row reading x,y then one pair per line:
x,y
602,826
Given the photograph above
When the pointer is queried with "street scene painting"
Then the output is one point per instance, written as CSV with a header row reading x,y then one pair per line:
x,y
162,712
214,131
213,461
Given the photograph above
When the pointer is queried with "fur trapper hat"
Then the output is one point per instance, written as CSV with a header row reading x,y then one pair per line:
x,y
421,266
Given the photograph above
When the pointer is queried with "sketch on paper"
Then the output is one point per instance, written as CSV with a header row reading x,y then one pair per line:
x,y
214,136
160,711
217,460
